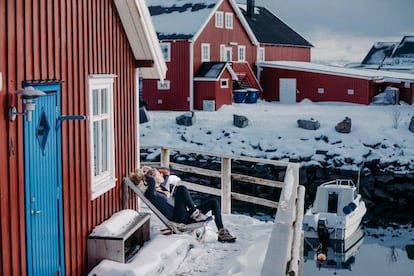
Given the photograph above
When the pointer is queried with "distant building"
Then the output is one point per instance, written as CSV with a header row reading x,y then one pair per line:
x,y
291,82
198,36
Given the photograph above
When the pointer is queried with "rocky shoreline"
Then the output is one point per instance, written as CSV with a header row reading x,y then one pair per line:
x,y
389,196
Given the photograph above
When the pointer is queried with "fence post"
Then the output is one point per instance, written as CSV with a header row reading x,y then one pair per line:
x,y
226,185
165,158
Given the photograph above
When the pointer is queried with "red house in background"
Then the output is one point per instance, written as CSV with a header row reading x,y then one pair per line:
x,y
62,166
197,34
291,82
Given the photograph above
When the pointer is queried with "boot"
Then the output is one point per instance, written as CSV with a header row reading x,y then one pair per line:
x,y
225,236
198,216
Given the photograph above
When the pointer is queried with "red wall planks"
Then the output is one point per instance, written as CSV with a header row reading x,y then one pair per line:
x,y
64,40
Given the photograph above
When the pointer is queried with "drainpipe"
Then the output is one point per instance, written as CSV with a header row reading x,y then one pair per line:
x,y
191,72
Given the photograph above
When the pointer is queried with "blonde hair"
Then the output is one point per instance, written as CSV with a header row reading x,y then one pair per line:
x,y
138,177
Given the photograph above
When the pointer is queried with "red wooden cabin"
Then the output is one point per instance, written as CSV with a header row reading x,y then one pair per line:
x,y
195,32
57,180
291,82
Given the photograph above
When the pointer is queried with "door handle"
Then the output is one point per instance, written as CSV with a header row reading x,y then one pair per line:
x,y
36,212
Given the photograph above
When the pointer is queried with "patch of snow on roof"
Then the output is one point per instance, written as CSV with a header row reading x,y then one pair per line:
x,y
186,17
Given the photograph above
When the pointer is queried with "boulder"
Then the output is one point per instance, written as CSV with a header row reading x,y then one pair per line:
x,y
411,126
310,124
344,126
240,121
186,119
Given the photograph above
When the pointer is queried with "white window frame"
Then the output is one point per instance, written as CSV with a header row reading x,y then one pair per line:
x,y
166,50
321,90
224,83
104,179
261,54
350,91
205,52
241,53
163,85
229,20
226,52
219,19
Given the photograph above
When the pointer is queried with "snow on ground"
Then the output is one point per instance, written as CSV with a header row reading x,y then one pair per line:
x,y
183,255
272,133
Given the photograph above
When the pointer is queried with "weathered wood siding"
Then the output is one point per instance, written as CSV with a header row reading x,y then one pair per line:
x,y
67,41
178,74
307,84
290,53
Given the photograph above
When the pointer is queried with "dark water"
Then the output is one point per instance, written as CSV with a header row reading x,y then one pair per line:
x,y
380,252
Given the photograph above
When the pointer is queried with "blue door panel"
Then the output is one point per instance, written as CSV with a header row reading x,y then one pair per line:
x,y
43,186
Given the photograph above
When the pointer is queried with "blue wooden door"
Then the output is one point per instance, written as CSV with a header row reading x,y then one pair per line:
x,y
43,193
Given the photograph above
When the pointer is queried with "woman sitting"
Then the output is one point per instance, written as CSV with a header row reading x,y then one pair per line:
x,y
183,210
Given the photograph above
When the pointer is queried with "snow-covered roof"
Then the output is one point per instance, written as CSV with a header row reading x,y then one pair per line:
x,y
213,71
142,38
177,19
342,71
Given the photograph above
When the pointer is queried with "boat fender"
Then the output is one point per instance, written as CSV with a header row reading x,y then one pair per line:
x,y
347,210
352,205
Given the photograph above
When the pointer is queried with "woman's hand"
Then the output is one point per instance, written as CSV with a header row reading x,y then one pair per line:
x,y
159,189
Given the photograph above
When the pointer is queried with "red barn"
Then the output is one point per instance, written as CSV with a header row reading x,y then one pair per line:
x,y
291,82
64,158
192,33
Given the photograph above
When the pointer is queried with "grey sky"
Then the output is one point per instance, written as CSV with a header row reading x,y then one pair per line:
x,y
346,26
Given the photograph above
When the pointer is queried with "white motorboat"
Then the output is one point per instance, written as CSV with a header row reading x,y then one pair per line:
x,y
336,213
337,255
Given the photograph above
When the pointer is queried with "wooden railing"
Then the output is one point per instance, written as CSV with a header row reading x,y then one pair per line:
x,y
283,255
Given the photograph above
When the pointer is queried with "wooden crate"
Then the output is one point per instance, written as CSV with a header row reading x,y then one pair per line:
x,y
119,248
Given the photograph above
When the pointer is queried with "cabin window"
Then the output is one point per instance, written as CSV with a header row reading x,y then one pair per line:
x,y
219,19
166,51
163,85
321,90
261,56
229,20
350,91
241,50
332,202
101,131
224,83
205,52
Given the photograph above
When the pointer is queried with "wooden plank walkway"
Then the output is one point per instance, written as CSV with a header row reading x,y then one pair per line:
x,y
284,252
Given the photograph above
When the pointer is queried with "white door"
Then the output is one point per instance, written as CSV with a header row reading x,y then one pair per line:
x,y
287,91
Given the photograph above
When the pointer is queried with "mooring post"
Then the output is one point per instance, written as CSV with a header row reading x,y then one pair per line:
x,y
165,158
226,185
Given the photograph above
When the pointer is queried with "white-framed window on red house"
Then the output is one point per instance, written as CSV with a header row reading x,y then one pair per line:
x,y
229,20
224,83
205,52
101,129
226,53
219,19
241,53
261,54
166,50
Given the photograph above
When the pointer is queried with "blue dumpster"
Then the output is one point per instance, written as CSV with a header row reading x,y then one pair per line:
x,y
239,95
252,95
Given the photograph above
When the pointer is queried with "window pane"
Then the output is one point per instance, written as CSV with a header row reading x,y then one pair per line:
x,y
95,101
104,101
104,148
96,155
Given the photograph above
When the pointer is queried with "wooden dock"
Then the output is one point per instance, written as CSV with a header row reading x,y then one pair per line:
x,y
285,249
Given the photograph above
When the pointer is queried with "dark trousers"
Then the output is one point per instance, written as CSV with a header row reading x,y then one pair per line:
x,y
184,207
